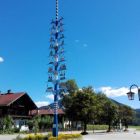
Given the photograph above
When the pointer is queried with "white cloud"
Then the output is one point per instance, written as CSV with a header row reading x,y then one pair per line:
x,y
115,92
1,59
76,40
85,45
41,103
50,96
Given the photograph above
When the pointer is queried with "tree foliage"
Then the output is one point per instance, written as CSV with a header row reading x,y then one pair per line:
x,y
40,123
79,106
126,114
71,86
6,124
87,106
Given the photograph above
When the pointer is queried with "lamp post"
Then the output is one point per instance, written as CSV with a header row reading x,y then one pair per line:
x,y
131,94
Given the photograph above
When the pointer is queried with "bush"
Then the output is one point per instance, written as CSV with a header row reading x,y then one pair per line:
x,y
16,130
8,122
67,137
38,123
32,137
30,124
48,137
6,125
35,137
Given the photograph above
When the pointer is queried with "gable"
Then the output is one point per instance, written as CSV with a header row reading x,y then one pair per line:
x,y
26,102
7,99
17,99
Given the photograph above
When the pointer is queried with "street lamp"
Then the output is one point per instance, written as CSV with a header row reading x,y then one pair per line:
x,y
131,94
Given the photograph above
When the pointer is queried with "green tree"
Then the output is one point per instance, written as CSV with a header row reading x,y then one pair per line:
x,y
45,122
126,114
79,106
85,101
67,100
30,124
36,121
110,113
71,86
8,123
40,123
99,107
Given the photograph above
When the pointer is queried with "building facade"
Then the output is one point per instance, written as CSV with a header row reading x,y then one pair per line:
x,y
17,105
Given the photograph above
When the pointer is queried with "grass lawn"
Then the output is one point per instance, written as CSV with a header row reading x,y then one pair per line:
x,y
97,127
136,127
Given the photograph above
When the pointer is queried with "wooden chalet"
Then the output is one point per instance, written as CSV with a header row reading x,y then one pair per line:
x,y
17,105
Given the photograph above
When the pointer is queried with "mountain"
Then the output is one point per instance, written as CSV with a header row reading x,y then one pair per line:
x,y
136,120
137,117
117,103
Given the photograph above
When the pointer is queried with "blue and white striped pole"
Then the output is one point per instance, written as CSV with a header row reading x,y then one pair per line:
x,y
57,65
55,121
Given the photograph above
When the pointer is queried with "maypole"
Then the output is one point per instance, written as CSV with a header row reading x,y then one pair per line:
x,y
57,67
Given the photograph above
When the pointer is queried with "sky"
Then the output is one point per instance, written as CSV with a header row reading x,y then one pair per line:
x,y
101,41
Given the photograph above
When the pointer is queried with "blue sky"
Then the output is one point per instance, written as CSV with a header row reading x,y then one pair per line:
x,y
102,45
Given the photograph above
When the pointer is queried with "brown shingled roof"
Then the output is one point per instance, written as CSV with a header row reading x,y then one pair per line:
x,y
7,99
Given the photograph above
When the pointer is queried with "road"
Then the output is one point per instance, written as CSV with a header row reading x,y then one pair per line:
x,y
8,137
131,135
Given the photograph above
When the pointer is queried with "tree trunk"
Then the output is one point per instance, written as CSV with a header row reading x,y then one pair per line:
x,y
63,123
109,127
85,127
126,126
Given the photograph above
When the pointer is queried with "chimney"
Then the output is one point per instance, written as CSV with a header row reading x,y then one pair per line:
x,y
8,91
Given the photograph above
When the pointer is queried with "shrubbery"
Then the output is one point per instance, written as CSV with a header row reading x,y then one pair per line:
x,y
7,125
67,137
49,137
36,137
38,123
